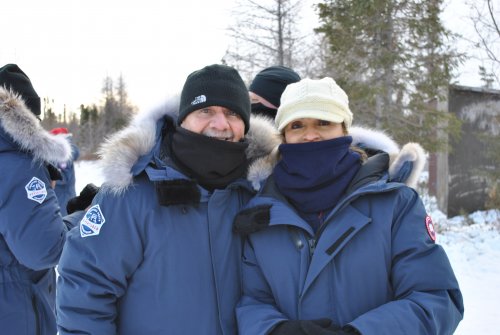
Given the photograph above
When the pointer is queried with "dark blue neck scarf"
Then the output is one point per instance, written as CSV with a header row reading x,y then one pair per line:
x,y
314,175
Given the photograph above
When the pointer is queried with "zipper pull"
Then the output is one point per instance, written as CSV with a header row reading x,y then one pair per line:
x,y
312,246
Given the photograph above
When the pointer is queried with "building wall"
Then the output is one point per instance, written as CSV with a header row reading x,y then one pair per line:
x,y
470,162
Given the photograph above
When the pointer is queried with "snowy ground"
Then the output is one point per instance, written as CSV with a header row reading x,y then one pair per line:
x,y
472,244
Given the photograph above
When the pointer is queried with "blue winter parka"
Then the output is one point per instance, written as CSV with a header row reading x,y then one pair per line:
x,y
32,232
373,264
65,188
136,266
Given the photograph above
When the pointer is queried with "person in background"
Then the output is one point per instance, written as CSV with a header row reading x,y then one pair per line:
x,y
266,89
334,244
77,206
65,187
83,200
32,232
155,252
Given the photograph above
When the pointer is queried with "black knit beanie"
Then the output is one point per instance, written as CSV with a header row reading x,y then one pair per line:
x,y
272,81
215,85
12,77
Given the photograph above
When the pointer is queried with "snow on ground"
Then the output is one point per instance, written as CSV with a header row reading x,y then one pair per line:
x,y
472,244
87,172
474,252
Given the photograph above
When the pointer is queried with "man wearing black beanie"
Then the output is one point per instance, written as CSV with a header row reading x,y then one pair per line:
x,y
32,231
159,253
266,89
215,85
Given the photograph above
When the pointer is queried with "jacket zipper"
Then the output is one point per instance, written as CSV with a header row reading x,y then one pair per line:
x,y
312,241
37,317
312,246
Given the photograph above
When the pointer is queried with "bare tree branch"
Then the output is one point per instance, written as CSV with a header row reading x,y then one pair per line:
x,y
267,33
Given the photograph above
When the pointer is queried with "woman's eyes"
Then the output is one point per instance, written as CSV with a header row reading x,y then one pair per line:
x,y
298,125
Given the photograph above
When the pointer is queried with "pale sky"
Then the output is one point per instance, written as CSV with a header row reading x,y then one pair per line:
x,y
67,47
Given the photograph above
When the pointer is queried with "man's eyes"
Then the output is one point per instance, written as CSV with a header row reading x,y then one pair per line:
x,y
210,111
231,113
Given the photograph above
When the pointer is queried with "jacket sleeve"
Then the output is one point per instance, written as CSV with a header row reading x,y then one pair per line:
x,y
73,220
75,151
94,269
30,220
427,296
256,312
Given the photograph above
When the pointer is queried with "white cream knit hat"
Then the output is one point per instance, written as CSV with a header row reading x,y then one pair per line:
x,y
320,99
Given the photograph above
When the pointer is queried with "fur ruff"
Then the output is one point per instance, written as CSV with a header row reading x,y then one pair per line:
x,y
120,152
410,152
25,129
370,138
373,139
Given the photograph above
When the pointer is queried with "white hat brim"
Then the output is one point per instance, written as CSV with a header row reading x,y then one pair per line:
x,y
331,115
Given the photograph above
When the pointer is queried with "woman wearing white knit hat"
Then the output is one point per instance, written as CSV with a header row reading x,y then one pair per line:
x,y
334,245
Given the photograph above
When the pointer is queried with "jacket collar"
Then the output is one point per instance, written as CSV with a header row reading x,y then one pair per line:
x,y
405,164
128,152
26,133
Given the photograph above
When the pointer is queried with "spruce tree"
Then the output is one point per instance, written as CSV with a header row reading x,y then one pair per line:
x,y
392,58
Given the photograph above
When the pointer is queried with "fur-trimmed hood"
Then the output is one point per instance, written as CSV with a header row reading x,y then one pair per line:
x,y
26,134
133,145
409,153
365,138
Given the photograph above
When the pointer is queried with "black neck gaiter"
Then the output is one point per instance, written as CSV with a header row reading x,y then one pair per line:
x,y
315,175
213,163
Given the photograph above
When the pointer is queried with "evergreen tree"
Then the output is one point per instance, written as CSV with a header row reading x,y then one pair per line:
x,y
93,123
88,137
49,120
109,112
125,109
391,58
116,110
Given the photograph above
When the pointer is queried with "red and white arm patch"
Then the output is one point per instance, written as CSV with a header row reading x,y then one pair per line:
x,y
430,228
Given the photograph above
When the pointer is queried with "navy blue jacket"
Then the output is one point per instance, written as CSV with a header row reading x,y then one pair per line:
x,y
372,265
65,188
32,232
146,268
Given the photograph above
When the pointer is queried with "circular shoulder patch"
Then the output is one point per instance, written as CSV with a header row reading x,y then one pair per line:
x,y
430,228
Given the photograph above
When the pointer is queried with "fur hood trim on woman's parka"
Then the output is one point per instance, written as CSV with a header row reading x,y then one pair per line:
x,y
122,151
411,157
23,127
410,153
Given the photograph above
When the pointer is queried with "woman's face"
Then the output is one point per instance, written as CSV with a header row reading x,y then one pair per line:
x,y
312,130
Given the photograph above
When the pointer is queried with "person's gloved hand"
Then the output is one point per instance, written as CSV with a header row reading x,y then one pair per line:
x,y
82,201
295,327
54,172
310,328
